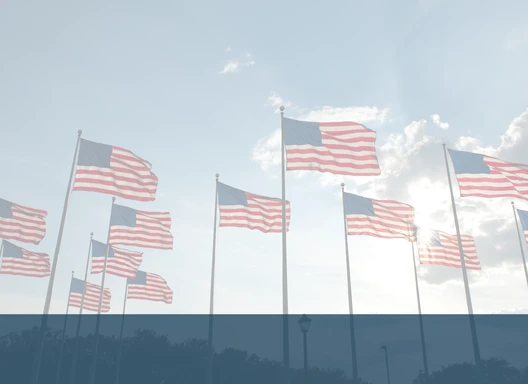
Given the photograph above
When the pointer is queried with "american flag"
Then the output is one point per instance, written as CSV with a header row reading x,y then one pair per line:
x,y
439,248
21,223
19,261
387,219
149,286
523,216
120,262
485,176
91,296
115,171
243,209
342,148
140,228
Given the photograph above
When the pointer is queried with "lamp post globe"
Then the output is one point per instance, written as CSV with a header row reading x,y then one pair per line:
x,y
304,323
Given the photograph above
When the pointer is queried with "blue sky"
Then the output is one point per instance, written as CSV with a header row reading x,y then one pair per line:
x,y
149,79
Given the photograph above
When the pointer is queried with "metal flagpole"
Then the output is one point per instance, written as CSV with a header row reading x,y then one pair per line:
x,y
44,323
520,241
355,375
59,363
77,338
98,318
476,349
422,334
211,299
1,252
120,350
285,327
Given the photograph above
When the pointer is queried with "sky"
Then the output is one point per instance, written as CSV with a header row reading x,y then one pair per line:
x,y
194,88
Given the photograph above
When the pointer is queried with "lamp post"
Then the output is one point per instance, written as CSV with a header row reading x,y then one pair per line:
x,y
304,324
386,363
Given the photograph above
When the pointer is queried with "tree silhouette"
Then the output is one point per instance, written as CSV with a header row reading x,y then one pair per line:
x,y
496,371
148,357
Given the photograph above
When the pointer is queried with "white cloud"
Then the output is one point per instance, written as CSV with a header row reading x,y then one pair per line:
x,y
275,101
438,123
358,114
413,171
267,151
235,65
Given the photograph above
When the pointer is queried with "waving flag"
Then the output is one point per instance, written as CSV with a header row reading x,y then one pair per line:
x,y
387,219
21,262
21,223
485,176
523,216
115,171
91,293
439,248
243,209
342,148
140,228
149,286
120,262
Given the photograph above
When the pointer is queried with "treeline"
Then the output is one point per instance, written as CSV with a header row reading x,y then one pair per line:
x,y
151,358
148,358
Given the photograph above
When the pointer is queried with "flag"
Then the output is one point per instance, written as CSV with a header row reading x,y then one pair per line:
x,y
149,286
21,223
439,248
523,216
120,262
341,148
115,171
387,219
485,176
21,262
91,296
243,209
140,228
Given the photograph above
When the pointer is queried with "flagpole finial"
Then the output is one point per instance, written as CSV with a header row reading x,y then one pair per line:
x,y
113,199
217,176
79,132
91,234
342,185
73,272
512,203
281,108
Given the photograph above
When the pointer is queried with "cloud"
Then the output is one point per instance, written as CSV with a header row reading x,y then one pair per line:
x,y
413,171
275,101
438,123
235,65
358,114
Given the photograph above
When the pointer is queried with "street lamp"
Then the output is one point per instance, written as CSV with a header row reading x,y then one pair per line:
x,y
386,363
304,324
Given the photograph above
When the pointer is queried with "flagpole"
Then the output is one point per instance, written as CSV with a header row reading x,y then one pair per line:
x,y
59,363
472,326
520,242
44,322
285,326
76,347
98,318
355,376
1,252
120,350
422,333
211,298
